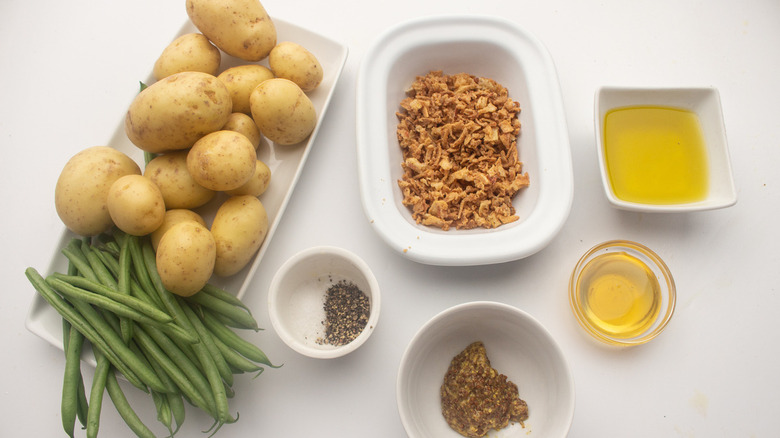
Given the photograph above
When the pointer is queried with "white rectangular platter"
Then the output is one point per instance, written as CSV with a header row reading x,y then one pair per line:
x,y
285,162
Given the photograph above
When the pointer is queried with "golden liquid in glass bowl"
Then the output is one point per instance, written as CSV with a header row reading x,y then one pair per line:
x,y
619,294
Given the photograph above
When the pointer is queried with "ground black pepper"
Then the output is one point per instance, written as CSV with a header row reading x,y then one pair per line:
x,y
346,313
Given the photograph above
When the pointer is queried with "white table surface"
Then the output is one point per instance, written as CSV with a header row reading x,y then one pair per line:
x,y
69,70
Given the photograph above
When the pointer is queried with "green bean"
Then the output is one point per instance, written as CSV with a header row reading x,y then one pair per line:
x,y
71,381
108,302
224,295
123,310
125,410
96,263
123,286
102,369
108,260
128,300
140,270
76,257
80,323
208,342
163,410
153,361
129,358
215,382
176,403
241,317
234,341
188,369
83,405
167,298
172,364
238,362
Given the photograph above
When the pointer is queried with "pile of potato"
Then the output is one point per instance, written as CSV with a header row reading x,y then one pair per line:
x,y
200,129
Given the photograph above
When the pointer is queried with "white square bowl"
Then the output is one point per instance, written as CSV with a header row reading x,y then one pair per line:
x,y
481,46
705,102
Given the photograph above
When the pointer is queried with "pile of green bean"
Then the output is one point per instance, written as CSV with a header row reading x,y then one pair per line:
x,y
176,349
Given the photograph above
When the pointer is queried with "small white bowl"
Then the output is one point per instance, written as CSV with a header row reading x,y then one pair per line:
x,y
517,345
705,102
297,295
489,47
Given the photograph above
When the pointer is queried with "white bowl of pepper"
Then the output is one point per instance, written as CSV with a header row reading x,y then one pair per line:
x,y
324,302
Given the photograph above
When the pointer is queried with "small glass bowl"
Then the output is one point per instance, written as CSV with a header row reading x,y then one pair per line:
x,y
637,254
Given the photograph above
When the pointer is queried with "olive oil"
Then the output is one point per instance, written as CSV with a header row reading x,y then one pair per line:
x,y
655,155
620,295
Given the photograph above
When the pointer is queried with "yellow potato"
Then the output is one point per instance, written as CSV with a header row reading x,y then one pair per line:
x,y
256,185
179,189
246,125
241,28
222,160
239,228
292,61
82,188
241,80
282,111
175,112
136,205
171,218
185,258
189,52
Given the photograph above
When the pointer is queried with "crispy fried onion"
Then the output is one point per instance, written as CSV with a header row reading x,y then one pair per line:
x,y
458,134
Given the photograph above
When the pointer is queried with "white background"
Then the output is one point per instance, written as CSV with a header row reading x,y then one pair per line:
x,y
69,70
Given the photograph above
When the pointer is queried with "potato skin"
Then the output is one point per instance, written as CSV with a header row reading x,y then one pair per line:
x,y
136,205
244,124
189,52
282,111
179,189
82,188
185,258
256,185
174,113
292,61
241,28
222,160
239,228
171,218
241,80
